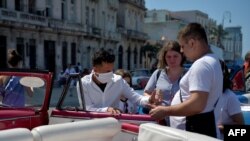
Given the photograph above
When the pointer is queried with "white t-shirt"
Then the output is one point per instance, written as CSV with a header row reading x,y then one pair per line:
x,y
231,106
99,101
205,75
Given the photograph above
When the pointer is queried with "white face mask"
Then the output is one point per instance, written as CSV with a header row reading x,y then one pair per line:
x,y
104,77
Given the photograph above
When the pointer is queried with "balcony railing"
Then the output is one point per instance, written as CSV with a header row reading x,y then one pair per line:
x,y
32,19
137,34
96,31
22,17
110,35
93,31
9,14
113,4
140,4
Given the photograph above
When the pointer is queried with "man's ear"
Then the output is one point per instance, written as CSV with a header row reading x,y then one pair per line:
x,y
191,43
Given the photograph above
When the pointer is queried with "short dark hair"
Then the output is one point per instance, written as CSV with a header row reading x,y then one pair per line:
x,y
193,30
13,57
102,56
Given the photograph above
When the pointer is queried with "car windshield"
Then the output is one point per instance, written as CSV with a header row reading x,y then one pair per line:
x,y
22,91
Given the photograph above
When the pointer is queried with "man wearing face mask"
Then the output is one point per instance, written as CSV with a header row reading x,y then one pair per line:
x,y
102,88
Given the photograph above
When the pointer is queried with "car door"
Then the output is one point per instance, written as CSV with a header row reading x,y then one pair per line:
x,y
34,112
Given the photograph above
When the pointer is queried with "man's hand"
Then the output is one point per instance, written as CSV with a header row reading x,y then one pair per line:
x,y
159,112
114,111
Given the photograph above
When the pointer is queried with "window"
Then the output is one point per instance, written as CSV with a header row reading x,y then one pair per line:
x,y
93,17
104,20
48,12
48,8
73,10
20,46
63,10
166,17
87,15
32,5
2,3
19,5
154,16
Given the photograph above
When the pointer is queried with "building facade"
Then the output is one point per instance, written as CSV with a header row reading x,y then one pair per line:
x,y
130,25
161,25
232,44
165,25
50,34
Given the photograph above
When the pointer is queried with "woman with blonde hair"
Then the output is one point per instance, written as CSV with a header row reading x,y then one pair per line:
x,y
165,80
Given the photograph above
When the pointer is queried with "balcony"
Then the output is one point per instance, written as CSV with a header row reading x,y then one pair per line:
x,y
32,20
22,17
92,31
61,26
96,31
134,34
112,36
139,4
113,4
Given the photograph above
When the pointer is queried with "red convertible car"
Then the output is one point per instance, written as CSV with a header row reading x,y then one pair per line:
x,y
52,113
37,111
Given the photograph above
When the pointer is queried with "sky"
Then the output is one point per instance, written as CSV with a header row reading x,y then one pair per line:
x,y
239,9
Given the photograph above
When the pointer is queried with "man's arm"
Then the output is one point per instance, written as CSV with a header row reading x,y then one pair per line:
x,y
194,105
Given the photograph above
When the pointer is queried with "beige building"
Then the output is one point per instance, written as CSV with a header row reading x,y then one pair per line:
x,y
164,25
160,25
50,34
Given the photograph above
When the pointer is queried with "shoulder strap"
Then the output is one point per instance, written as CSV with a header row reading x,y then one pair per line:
x,y
158,74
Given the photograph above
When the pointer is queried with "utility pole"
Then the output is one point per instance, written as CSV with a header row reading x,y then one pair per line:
x,y
226,15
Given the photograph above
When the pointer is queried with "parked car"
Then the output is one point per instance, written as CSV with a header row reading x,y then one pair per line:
x,y
140,78
36,110
67,109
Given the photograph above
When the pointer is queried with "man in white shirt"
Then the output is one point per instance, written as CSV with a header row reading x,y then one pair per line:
x,y
102,89
200,87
